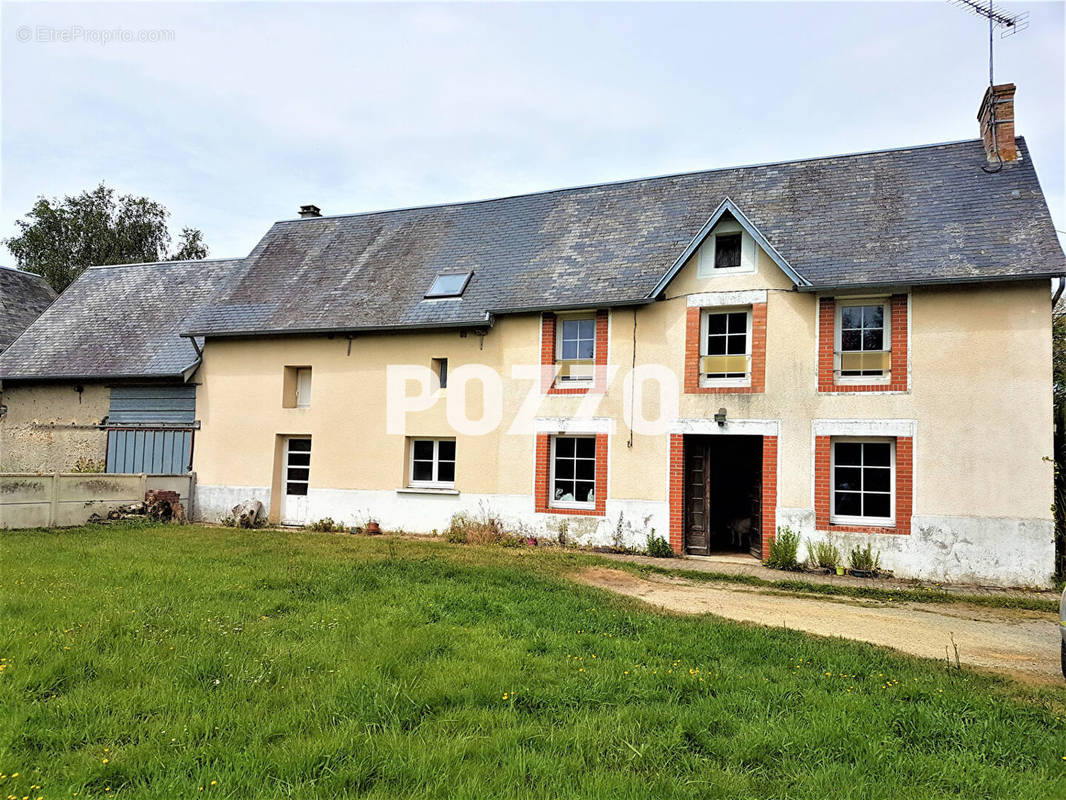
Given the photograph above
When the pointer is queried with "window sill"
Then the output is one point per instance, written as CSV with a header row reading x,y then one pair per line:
x,y
859,522
427,490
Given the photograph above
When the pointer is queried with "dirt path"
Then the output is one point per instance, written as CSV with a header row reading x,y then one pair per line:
x,y
1021,644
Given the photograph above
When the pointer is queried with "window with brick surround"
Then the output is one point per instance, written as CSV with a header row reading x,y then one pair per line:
x,y
725,349
571,474
574,352
573,479
725,353
863,484
863,344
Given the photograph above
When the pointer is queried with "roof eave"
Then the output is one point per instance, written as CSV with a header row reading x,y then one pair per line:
x,y
334,331
133,376
842,287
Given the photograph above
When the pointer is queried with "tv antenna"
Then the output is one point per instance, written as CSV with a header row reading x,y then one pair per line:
x,y
1008,24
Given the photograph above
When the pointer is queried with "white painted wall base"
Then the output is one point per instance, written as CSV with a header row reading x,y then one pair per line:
x,y
988,551
214,502
627,522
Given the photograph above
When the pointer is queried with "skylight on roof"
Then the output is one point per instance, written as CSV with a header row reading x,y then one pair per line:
x,y
449,284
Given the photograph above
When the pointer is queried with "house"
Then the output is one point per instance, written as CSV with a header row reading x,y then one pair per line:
x,y
103,379
856,347
23,296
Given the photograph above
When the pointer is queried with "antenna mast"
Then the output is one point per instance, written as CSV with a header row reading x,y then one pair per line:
x,y
1009,24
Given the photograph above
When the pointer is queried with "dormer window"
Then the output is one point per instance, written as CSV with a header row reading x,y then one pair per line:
x,y
727,251
449,284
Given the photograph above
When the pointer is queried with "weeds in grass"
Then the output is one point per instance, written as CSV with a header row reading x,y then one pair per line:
x,y
483,528
325,525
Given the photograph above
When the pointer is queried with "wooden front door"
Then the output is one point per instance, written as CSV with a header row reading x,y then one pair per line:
x,y
697,498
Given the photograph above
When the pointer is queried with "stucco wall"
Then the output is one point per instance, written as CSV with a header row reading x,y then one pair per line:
x,y
979,400
48,427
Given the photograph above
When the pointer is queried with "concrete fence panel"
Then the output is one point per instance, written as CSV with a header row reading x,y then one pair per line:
x,y
33,500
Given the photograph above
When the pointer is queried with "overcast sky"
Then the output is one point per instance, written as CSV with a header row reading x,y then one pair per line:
x,y
252,109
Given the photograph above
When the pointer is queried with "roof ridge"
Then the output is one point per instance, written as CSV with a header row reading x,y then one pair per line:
x,y
623,181
161,263
21,271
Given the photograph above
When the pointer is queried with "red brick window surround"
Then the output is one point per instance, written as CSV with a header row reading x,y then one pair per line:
x,y
543,491
693,351
677,492
550,328
903,488
829,381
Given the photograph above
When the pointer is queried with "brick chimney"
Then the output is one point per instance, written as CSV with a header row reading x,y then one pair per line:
x,y
998,133
315,211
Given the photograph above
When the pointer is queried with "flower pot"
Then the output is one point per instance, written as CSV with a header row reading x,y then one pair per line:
x,y
862,573
373,529
840,570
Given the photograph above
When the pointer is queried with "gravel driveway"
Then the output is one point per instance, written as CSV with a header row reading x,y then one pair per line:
x,y
1021,644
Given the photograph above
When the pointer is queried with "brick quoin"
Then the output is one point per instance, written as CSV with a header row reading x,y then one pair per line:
x,y
827,311
677,492
548,330
823,479
758,355
769,493
542,480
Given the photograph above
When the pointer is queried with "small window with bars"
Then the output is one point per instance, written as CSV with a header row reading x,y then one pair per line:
x,y
863,340
726,345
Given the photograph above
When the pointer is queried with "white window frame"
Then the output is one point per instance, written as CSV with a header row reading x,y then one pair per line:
x,y
886,316
705,265
434,483
552,502
865,522
559,320
704,314
288,454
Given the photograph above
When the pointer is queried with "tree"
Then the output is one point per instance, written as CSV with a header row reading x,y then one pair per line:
x,y
61,239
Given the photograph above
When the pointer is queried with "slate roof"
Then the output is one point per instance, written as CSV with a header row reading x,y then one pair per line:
x,y
23,296
896,217
120,321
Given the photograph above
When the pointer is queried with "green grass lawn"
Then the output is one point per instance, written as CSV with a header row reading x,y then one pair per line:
x,y
153,662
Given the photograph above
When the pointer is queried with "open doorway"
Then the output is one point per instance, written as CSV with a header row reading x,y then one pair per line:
x,y
723,494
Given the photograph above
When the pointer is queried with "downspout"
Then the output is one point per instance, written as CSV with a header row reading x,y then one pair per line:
x,y
1058,292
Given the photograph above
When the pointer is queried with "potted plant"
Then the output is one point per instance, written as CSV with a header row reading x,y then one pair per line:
x,y
372,527
823,557
864,561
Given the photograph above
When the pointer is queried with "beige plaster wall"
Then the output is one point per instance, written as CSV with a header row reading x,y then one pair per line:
x,y
48,427
981,396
